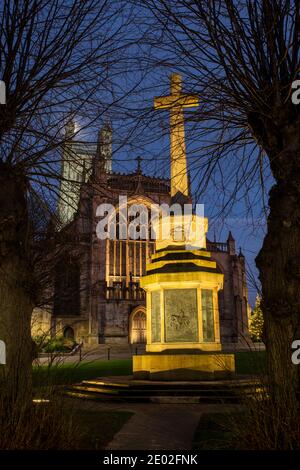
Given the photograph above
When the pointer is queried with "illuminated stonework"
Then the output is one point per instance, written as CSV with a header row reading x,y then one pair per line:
x,y
182,300
176,102
182,280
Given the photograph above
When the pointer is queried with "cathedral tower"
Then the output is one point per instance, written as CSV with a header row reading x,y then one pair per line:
x,y
79,160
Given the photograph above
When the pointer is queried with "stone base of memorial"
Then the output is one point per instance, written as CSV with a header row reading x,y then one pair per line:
x,y
184,367
183,327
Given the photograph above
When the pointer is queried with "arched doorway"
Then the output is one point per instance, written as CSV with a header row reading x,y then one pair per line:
x,y
137,325
69,333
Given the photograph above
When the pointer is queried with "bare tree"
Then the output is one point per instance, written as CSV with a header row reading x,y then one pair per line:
x,y
241,57
58,59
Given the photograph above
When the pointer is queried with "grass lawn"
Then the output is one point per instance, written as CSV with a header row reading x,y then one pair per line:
x,y
68,373
213,433
97,427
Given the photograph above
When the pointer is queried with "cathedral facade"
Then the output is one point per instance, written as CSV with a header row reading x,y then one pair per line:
x,y
97,296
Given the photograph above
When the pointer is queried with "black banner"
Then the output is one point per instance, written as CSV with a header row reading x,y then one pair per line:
x,y
138,459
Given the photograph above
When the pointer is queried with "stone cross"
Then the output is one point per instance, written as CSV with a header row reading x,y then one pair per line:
x,y
176,102
138,166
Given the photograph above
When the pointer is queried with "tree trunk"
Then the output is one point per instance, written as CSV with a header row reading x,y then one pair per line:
x,y
279,267
15,288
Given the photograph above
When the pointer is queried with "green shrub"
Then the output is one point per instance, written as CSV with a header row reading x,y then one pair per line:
x,y
54,344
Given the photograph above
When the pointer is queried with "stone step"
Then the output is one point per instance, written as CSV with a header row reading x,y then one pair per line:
x,y
105,397
127,390
151,385
99,390
102,384
153,392
192,400
153,399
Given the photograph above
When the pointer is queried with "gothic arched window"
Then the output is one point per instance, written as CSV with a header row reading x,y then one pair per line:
x,y
67,288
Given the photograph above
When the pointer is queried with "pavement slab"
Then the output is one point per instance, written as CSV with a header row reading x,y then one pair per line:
x,y
162,427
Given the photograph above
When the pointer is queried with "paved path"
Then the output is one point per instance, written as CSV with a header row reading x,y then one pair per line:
x,y
156,426
161,427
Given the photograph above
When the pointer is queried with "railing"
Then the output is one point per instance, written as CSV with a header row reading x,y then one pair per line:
x,y
77,349
217,246
124,293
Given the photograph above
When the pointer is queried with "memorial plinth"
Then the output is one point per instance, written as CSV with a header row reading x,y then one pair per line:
x,y
183,327
183,367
